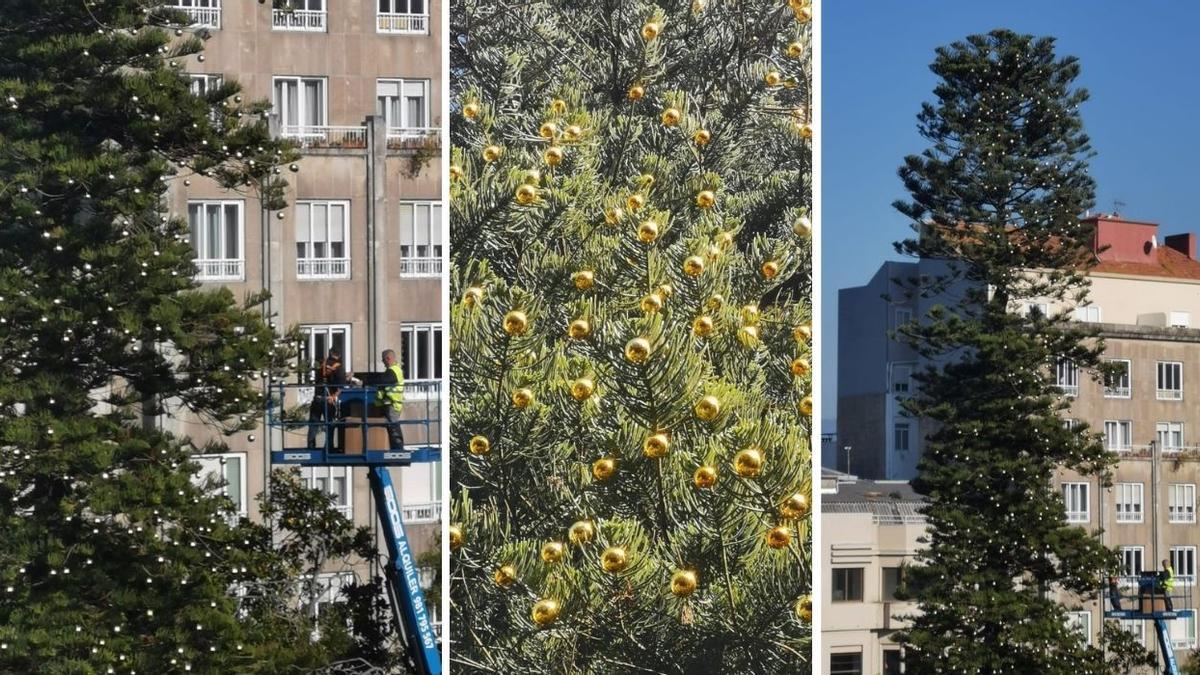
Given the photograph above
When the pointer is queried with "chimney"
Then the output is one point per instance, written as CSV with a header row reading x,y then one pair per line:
x,y
1184,243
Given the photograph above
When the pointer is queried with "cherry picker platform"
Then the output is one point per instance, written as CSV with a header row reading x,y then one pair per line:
x,y
1143,598
355,435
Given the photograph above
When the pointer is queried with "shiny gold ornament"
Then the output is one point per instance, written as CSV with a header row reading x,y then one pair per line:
x,y
479,445
748,336
635,202
795,50
748,463
531,177
604,468
794,506
773,78
802,226
708,408
651,31
652,303
647,232
806,406
749,313
646,181
656,445
526,194
705,199
804,14
583,279
457,538
582,389
671,117
683,583
613,216
471,110
505,576
725,239
637,350
800,367
805,129
614,559
637,92
705,477
572,133
472,296
715,302
693,266
545,612
581,532
702,326
456,172
547,130
492,153
798,4
803,332
521,398
559,106
553,155
579,329
552,552
515,322
701,137
769,269
779,537
804,609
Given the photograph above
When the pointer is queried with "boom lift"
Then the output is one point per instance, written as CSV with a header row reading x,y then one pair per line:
x,y
1151,602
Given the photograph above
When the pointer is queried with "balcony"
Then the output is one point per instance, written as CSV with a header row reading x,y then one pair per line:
x,y
422,390
220,270
1168,394
403,138
323,268
308,20
327,136
1117,391
399,24
420,267
201,17
413,514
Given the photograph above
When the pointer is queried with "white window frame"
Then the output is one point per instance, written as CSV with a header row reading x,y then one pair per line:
x,y
903,315
330,585
1165,376
902,379
1117,390
1088,313
1118,435
421,388
1133,563
303,128
901,430
1183,561
329,330
1038,308
1181,503
326,266
223,268
301,18
844,671
1067,377
412,264
202,83
1128,499
1077,502
203,13
1081,622
1136,627
1179,319
421,492
1188,638
405,127
399,19
314,475
222,460
1169,436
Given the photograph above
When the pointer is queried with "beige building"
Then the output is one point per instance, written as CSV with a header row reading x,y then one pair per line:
x,y
355,260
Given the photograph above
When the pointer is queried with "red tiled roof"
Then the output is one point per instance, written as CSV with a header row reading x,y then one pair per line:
x,y
1169,263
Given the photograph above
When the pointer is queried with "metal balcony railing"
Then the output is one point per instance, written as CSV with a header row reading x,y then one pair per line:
x,y
1116,391
399,138
299,19
201,17
323,268
220,270
421,513
422,390
396,22
420,267
1169,394
320,136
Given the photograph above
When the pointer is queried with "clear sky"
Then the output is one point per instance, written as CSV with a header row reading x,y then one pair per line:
x,y
1139,61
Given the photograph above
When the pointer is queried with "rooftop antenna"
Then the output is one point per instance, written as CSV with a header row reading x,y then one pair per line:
x,y
1118,206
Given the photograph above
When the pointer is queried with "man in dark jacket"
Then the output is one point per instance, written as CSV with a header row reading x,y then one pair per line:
x,y
331,377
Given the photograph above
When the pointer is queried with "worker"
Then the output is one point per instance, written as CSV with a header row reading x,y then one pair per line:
x,y
330,377
391,396
1114,593
1166,581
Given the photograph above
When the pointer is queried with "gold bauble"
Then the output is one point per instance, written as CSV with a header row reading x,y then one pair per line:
x,y
456,172
505,576
457,538
521,398
531,177
479,445
724,239
805,129
806,406
646,181
705,199
613,216
572,133
683,583
635,202
701,137
769,269
471,110
559,106
492,153
794,505
803,332
749,314
515,322
579,329
800,367
547,130
702,326
647,232
802,226
705,477
553,155
779,536
636,92
652,303
552,552
748,463
526,194
581,532
656,445
614,559
671,117
693,266
545,612
708,408
804,609
472,296
582,388
715,302
804,14
583,279
651,31
773,78
637,350
798,4
604,468
795,50
748,336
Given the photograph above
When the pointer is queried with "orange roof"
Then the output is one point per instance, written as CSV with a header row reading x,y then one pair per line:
x,y
1169,263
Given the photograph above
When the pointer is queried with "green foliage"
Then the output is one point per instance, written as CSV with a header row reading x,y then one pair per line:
x,y
571,65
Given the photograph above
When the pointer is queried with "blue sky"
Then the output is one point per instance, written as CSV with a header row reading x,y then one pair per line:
x,y
1139,62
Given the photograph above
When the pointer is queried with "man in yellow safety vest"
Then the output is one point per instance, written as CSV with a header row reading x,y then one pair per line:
x,y
1166,581
390,395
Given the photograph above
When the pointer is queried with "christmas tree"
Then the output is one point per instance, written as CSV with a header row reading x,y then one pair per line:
x,y
995,202
630,340
114,557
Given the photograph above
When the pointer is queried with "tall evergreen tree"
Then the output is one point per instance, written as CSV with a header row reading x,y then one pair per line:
x,y
631,438
995,202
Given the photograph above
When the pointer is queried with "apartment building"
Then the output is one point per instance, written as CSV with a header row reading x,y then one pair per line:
x,y
355,260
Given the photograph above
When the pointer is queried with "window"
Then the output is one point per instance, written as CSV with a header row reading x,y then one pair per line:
x,y
1183,631
202,84
404,105
1181,503
1132,561
1075,495
306,15
891,661
318,340
203,13
892,578
845,664
1088,313
903,316
1035,310
1183,561
322,230
848,584
1118,435
421,358
1135,627
1170,381
317,595
1117,383
217,229
1068,377
228,471
902,378
420,493
301,104
1179,319
1129,502
1170,436
402,16
420,239
333,481
1081,622
900,437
